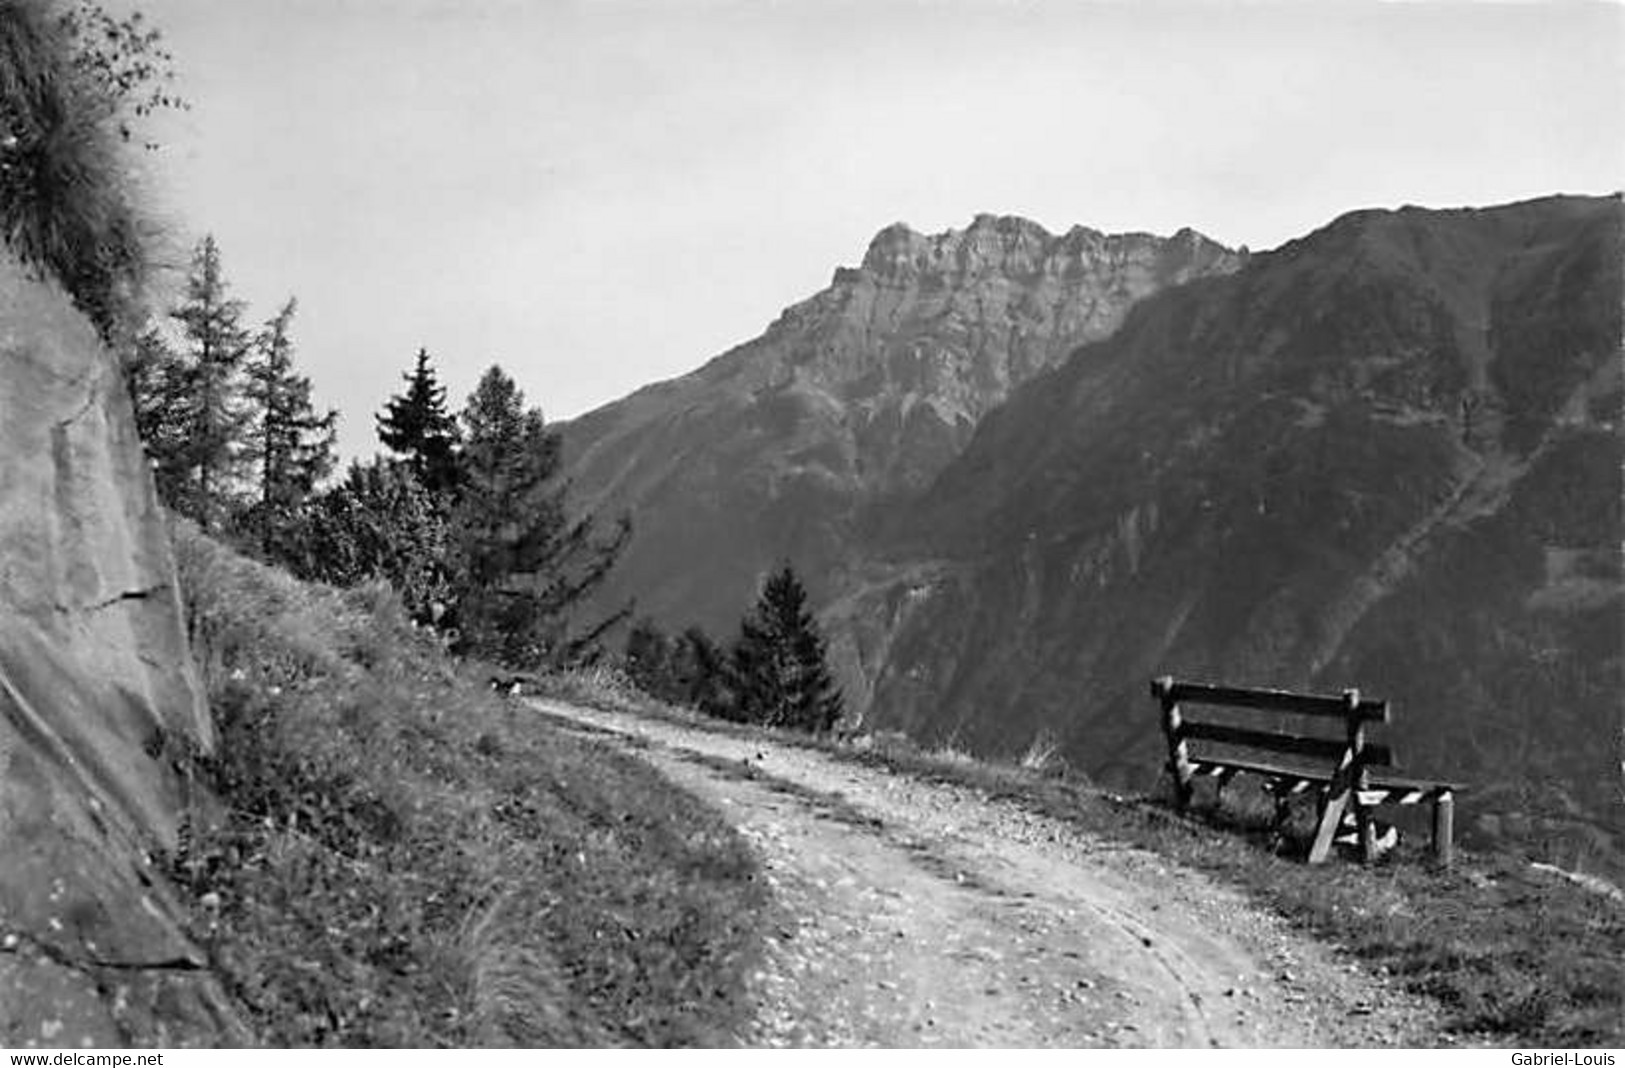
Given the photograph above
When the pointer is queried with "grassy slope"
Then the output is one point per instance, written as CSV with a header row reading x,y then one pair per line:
x,y
1514,956
400,857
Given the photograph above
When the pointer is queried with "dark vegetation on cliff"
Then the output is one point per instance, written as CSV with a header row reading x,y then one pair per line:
x,y
389,854
72,79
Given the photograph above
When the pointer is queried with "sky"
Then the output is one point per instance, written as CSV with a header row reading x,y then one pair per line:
x,y
597,195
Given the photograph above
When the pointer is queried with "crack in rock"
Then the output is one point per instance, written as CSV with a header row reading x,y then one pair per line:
x,y
91,397
128,595
15,942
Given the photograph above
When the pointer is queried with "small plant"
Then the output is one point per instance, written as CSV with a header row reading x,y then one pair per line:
x,y
1043,753
950,753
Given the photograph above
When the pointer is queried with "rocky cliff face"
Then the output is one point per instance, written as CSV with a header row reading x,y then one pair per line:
x,y
98,702
1386,455
866,390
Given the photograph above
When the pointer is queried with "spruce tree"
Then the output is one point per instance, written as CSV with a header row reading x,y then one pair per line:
x,y
216,421
417,426
293,445
524,561
779,676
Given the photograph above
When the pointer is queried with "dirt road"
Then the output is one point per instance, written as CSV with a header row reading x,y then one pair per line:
x,y
923,914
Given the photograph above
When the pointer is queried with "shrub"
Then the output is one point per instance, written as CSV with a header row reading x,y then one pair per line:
x,y
378,524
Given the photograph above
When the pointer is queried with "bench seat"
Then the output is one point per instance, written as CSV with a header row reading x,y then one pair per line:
x,y
1395,790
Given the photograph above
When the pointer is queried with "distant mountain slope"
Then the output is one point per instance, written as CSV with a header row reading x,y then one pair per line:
x,y
868,388
1386,455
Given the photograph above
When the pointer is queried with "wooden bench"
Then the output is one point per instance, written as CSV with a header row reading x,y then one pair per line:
x,y
1337,769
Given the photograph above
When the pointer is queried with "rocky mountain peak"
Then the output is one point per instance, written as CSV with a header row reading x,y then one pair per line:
x,y
1385,454
893,249
863,390
1018,248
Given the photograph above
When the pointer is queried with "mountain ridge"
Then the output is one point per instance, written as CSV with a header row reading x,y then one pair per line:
x,y
1383,455
771,450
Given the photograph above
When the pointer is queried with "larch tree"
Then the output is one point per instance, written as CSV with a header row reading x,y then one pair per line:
x,y
293,445
523,560
214,354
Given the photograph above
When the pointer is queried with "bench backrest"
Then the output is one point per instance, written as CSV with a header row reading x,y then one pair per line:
x,y
1183,704
1345,780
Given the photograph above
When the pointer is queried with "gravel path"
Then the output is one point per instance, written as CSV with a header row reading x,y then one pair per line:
x,y
924,914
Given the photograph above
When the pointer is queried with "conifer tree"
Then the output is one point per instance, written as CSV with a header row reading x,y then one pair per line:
x,y
155,379
649,660
779,676
216,420
687,669
704,668
524,560
417,426
293,446
145,365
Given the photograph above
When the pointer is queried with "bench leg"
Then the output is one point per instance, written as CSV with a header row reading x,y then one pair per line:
x,y
1219,783
1444,818
1367,828
1331,815
1179,761
1283,815
1183,788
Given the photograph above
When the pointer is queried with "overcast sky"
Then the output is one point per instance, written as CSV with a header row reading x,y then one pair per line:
x,y
599,195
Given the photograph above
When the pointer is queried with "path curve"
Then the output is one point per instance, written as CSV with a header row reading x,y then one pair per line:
x,y
916,913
